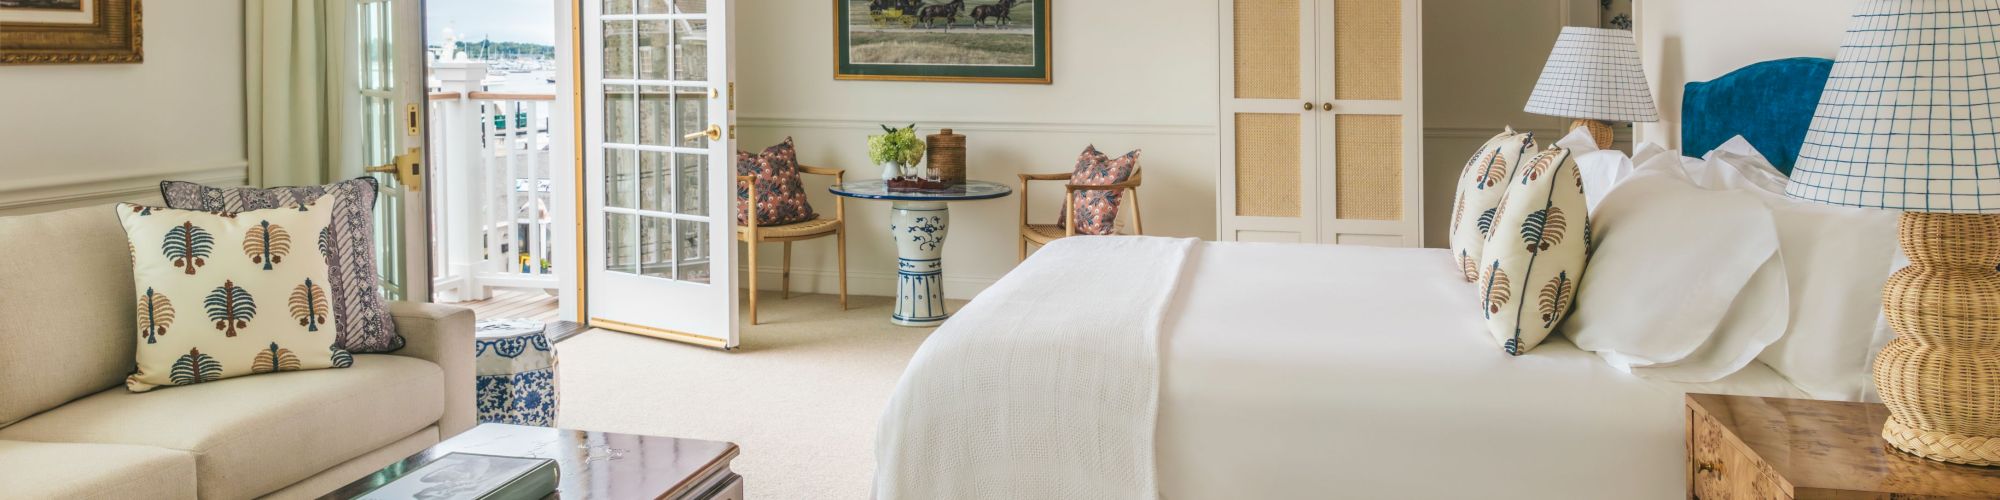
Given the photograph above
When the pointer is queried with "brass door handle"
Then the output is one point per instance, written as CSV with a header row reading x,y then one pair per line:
x,y
407,168
714,133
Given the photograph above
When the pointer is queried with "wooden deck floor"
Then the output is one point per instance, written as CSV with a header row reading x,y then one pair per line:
x,y
516,304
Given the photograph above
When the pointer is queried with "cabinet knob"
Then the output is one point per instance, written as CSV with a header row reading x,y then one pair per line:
x,y
1707,467
1326,106
1309,106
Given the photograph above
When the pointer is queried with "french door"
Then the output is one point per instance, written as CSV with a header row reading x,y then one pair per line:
x,y
659,169
376,56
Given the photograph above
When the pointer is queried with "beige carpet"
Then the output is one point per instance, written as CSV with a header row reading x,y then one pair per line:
x,y
801,396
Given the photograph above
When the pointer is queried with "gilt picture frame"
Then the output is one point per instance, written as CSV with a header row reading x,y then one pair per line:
x,y
974,41
70,32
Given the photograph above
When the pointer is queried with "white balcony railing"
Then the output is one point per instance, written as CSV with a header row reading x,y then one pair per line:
x,y
490,206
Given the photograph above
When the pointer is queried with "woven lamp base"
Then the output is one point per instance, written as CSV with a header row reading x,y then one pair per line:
x,y
1940,377
1599,130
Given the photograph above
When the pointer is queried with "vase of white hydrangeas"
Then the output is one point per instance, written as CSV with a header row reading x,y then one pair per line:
x,y
898,151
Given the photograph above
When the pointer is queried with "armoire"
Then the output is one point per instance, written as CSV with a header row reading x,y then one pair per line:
x,y
1321,122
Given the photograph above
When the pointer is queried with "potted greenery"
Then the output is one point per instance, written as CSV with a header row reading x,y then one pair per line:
x,y
897,151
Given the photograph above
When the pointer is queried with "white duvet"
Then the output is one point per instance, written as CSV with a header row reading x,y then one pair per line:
x,y
1292,371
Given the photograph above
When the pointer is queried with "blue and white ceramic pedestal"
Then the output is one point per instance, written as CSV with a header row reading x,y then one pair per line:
x,y
516,371
919,228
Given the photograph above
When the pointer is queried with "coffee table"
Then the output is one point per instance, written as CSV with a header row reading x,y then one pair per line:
x,y
594,465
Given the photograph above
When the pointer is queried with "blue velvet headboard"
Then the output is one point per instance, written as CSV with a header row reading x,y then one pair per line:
x,y
1769,103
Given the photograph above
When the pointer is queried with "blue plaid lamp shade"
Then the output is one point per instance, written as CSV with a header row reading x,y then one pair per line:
x,y
1907,120
1594,73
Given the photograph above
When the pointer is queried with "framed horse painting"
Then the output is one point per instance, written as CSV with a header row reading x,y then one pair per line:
x,y
980,41
69,31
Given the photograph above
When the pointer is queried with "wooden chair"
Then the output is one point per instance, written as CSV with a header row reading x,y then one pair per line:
x,y
753,234
1042,234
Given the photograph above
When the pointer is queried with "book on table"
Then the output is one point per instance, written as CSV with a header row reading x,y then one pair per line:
x,y
472,476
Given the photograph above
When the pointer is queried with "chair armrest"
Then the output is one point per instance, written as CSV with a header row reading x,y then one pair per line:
x,y
836,172
1044,177
442,334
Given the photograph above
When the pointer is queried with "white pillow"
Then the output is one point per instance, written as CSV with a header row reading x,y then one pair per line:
x,y
1836,260
1480,185
1669,263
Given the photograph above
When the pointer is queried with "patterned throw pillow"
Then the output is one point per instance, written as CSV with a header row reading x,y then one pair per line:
x,y
365,325
1480,186
226,294
1096,212
781,195
1535,258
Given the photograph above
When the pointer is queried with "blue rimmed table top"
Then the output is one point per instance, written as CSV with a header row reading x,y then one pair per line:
x,y
876,189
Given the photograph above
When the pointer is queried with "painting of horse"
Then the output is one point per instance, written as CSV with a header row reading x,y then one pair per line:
x,y
942,40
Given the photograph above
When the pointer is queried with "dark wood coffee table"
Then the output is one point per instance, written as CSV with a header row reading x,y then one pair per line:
x,y
594,465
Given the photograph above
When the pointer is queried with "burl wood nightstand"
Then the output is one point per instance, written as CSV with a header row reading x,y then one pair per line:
x,y
1758,448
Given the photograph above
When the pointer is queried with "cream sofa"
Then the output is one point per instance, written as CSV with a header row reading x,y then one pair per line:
x,y
69,429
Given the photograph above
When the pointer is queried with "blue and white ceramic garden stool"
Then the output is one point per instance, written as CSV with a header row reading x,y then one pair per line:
x,y
919,220
517,373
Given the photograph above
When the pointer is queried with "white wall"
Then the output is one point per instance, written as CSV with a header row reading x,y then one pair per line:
x,y
1122,81
1481,60
75,135
1697,40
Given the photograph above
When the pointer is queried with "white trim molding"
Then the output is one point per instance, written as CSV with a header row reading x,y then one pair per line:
x,y
1038,127
83,190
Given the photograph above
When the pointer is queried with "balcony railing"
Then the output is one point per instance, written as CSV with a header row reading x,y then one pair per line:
x,y
491,165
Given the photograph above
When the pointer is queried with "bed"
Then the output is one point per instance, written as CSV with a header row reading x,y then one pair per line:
x,y
1194,370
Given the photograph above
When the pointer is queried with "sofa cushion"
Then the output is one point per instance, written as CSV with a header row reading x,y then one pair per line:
x,y
67,300
88,470
254,435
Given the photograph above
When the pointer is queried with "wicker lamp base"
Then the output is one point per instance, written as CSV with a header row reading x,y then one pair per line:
x,y
1940,377
1599,130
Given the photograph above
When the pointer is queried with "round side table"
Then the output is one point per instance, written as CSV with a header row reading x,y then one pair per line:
x,y
516,371
918,221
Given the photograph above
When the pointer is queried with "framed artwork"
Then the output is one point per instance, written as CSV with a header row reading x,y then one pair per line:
x,y
981,41
69,31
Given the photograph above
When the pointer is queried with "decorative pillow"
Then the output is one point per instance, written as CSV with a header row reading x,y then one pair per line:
x,y
1096,212
1531,265
1480,185
352,281
226,294
781,195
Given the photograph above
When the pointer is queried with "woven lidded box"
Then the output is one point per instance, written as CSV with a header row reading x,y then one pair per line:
x,y
947,154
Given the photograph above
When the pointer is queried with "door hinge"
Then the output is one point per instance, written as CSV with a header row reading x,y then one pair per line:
x,y
732,99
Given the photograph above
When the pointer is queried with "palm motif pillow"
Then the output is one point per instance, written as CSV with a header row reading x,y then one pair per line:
x,y
1096,212
365,325
781,195
1480,186
227,294
1530,267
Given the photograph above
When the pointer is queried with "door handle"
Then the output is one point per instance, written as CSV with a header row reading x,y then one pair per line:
x,y
407,167
714,133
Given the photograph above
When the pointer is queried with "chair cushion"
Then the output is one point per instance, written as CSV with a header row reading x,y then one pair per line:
x,y
1096,212
89,470
253,435
1477,200
67,302
223,294
361,314
781,195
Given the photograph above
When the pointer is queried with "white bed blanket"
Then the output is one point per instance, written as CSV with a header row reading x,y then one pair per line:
x,y
1046,386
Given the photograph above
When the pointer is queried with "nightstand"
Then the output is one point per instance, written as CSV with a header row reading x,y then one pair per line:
x,y
1756,448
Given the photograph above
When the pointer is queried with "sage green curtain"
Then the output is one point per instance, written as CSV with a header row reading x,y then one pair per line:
x,y
285,67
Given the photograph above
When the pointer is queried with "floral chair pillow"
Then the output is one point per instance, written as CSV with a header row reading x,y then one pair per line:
x,y
1096,212
781,195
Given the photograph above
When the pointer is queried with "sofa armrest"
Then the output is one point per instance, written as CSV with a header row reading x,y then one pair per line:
x,y
442,334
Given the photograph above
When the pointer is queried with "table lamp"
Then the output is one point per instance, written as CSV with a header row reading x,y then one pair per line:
x,y
1908,122
1594,76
